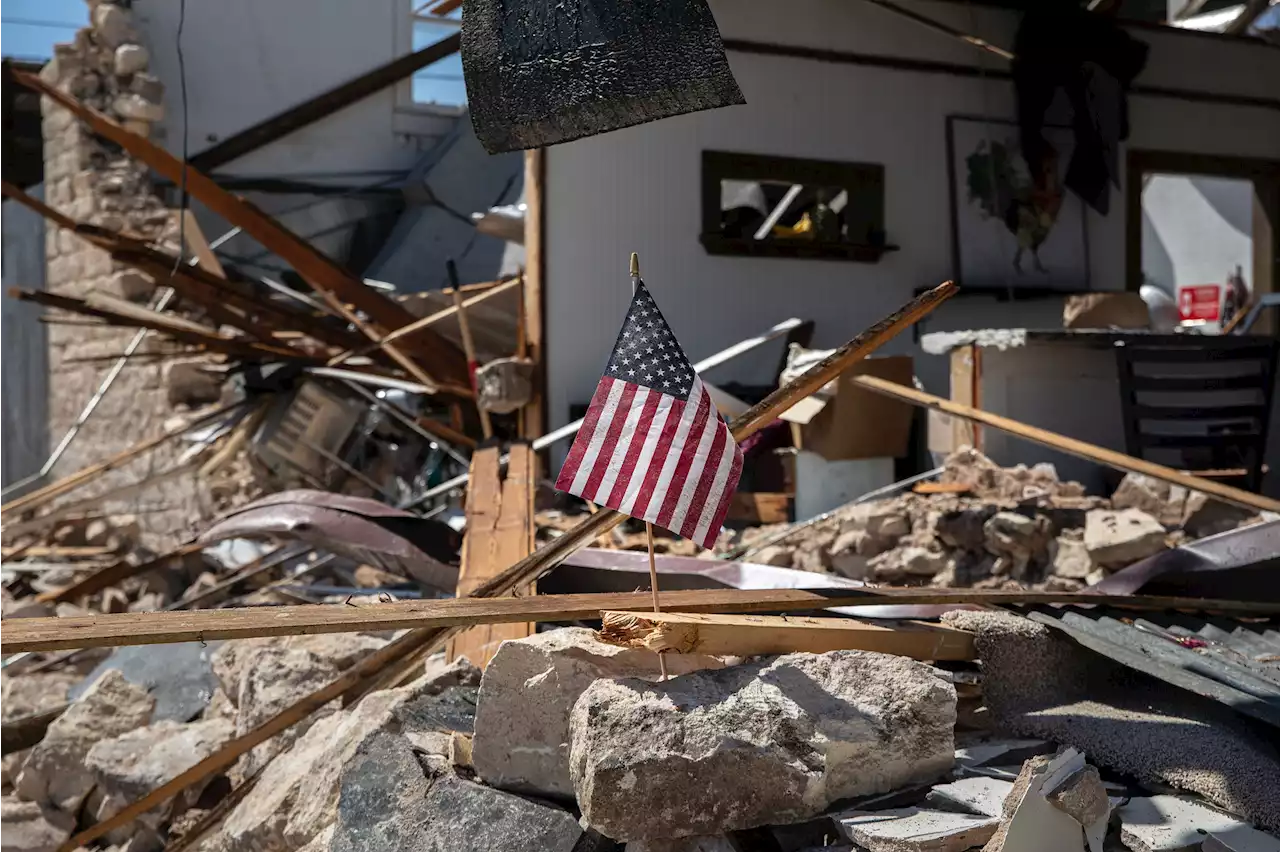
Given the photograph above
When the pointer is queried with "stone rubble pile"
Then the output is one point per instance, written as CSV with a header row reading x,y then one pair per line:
x,y
1014,527
569,743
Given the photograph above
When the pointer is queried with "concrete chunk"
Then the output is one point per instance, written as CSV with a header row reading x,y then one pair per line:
x,y
462,815
1116,539
773,741
55,771
916,830
29,827
529,687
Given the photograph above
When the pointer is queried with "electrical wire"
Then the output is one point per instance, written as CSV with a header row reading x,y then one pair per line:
x,y
182,82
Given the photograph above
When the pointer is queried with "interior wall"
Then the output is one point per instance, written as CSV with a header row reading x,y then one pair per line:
x,y
247,60
638,189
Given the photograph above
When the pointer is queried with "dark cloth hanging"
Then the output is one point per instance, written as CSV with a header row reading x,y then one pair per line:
x,y
1093,60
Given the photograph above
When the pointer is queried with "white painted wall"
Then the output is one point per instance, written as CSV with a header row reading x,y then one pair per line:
x,y
1196,229
247,60
638,189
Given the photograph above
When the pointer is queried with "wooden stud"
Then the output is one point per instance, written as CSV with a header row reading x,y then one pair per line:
x,y
752,635
1071,446
533,416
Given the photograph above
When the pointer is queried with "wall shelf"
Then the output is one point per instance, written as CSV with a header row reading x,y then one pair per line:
x,y
793,248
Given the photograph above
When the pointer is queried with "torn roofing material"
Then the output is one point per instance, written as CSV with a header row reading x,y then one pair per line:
x,y
365,530
1233,662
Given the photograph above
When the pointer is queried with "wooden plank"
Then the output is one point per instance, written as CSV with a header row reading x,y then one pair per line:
x,y
334,283
426,322
57,551
1091,452
312,110
506,535
372,668
43,495
963,391
752,635
199,246
533,420
117,573
760,507
158,628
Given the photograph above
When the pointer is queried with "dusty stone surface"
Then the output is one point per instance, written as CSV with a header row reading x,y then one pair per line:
x,y
903,562
978,794
30,827
297,794
529,688
55,770
129,766
1082,796
130,59
1069,557
1161,500
264,676
916,830
387,801
1116,539
28,694
773,741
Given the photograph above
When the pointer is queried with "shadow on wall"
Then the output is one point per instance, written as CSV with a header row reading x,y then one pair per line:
x,y
1196,229
455,179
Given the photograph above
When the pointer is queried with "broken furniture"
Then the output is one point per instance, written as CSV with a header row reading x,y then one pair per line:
x,y
1199,404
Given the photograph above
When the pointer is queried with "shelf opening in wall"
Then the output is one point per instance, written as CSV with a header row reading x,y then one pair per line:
x,y
764,206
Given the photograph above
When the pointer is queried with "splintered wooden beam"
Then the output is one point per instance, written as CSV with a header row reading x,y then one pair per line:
x,y
338,286
158,628
753,635
1072,446
373,668
499,533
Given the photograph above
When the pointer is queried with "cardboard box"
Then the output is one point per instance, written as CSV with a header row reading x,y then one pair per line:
x,y
856,423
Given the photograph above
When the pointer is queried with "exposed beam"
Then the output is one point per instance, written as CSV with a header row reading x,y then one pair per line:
x,y
338,286
310,111
158,628
1072,446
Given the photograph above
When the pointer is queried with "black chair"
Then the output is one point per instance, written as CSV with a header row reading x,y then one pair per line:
x,y
1201,406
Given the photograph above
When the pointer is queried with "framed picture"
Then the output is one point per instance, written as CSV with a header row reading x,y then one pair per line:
x,y
1007,230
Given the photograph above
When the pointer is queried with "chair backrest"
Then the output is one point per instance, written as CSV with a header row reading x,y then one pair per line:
x,y
1203,405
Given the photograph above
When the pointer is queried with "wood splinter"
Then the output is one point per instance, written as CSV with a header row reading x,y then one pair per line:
x,y
753,635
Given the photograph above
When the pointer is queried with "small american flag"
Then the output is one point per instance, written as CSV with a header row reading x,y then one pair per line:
x,y
652,444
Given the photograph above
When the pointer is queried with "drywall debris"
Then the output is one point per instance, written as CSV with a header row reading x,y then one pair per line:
x,y
1240,838
979,795
179,677
1170,823
1033,822
916,830
987,753
530,686
772,741
55,770
30,827
1115,539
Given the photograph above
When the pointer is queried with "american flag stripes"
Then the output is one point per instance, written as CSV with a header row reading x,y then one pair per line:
x,y
652,444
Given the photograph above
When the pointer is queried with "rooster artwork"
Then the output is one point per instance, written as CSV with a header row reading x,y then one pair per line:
x,y
1000,184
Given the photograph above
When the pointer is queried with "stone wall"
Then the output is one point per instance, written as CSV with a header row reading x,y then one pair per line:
x,y
91,180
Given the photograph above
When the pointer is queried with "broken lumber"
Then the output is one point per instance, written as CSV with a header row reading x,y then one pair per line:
x,y
326,103
1072,446
43,495
116,573
500,532
335,284
754,635
371,668
158,628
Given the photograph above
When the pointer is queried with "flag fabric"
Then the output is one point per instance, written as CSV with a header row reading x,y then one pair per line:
x,y
652,444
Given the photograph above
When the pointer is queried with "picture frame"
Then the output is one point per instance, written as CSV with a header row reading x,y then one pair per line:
x,y
1005,233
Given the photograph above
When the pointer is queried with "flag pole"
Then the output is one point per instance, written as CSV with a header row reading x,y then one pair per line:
x,y
648,527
